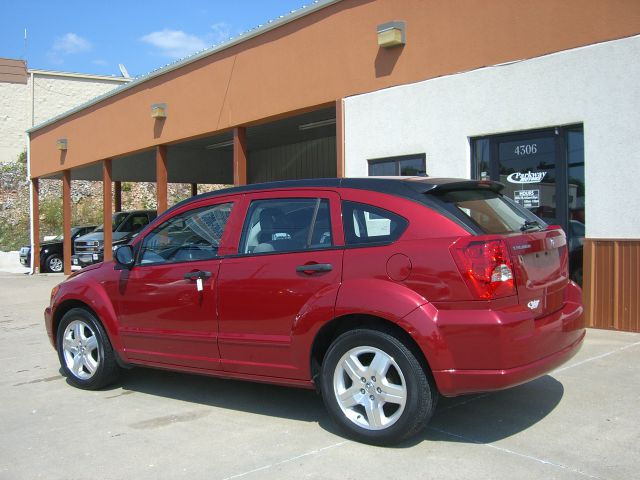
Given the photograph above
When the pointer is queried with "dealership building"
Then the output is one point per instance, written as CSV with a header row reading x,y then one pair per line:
x,y
542,96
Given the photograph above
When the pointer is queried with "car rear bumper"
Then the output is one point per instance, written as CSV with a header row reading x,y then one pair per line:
x,y
459,382
474,351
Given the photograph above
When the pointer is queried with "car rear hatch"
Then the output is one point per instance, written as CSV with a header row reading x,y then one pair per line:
x,y
540,261
511,250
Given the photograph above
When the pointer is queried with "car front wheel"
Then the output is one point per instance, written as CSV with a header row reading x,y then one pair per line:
x,y
375,388
84,350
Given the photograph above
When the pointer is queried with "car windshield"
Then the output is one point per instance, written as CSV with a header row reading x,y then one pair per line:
x,y
60,237
116,220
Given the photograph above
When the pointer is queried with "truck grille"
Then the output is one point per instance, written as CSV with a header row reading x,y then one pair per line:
x,y
87,247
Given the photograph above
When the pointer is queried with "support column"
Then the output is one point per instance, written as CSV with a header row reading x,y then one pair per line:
x,y
117,196
66,220
240,156
107,207
340,170
194,189
35,226
161,178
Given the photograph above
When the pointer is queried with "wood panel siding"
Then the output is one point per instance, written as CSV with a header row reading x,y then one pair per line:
x,y
612,284
13,71
310,159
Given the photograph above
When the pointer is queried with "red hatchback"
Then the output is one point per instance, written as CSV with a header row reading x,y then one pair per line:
x,y
381,293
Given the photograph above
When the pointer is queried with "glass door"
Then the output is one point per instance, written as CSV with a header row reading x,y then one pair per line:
x,y
543,171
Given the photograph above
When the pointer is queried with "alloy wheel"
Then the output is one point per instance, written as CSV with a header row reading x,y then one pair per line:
x,y
80,350
370,388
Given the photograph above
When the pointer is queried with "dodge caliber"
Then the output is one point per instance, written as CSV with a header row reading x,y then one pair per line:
x,y
382,294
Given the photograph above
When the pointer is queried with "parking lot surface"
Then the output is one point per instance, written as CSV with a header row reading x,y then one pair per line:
x,y
580,421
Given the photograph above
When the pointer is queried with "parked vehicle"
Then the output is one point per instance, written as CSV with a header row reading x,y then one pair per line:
x,y
380,293
51,251
89,249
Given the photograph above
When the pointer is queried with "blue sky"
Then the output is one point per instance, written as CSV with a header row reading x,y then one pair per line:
x,y
94,37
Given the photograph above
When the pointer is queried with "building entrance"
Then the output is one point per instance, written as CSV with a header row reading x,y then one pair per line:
x,y
542,170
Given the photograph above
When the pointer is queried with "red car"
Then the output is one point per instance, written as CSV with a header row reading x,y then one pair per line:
x,y
380,293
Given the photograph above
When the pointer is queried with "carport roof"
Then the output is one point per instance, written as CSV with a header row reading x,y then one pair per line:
x,y
242,37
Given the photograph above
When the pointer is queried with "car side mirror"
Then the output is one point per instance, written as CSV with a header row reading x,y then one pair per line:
x,y
124,257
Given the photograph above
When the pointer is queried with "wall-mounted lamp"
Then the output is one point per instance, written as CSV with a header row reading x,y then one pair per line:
x,y
391,34
159,110
61,144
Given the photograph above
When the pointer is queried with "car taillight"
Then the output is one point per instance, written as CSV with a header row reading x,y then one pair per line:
x,y
485,266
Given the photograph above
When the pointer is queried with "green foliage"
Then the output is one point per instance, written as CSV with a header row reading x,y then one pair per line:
x,y
88,211
13,236
126,186
51,216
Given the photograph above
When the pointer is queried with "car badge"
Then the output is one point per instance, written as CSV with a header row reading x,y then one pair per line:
x,y
533,304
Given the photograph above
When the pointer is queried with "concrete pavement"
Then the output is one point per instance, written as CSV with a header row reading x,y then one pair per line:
x,y
581,421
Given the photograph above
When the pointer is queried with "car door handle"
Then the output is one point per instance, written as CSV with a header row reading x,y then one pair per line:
x,y
199,274
314,268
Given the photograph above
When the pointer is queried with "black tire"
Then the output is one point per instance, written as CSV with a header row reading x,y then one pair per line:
x,y
54,263
391,421
85,352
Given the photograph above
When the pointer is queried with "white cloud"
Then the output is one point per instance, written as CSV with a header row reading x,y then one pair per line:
x,y
71,43
68,44
174,43
219,33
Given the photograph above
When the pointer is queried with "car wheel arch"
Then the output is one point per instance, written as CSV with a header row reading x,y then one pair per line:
x,y
332,330
71,303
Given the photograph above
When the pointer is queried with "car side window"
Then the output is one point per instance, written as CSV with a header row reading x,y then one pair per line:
x,y
368,225
286,225
189,236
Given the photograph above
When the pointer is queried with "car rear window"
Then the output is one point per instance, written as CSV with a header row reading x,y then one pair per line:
x,y
490,211
366,225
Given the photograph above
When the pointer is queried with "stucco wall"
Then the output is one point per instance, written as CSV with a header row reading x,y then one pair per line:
x,y
595,85
14,120
53,95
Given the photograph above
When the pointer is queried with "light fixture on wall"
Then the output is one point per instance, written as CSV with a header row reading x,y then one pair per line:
x,y
213,146
320,123
61,144
391,34
159,110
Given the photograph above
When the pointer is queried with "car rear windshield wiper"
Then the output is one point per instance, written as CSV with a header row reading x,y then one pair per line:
x,y
530,225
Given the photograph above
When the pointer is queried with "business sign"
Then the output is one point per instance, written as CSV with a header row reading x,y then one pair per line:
x,y
527,198
526,177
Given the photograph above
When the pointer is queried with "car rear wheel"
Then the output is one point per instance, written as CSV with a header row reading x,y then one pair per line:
x,y
84,350
54,263
375,388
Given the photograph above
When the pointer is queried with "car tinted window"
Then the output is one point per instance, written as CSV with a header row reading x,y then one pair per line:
x,y
368,225
134,223
192,235
492,212
285,225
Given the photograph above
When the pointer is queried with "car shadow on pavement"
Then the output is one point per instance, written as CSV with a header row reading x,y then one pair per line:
x,y
257,398
481,418
490,417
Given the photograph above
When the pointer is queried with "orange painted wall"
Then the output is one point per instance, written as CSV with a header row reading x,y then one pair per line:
x,y
325,56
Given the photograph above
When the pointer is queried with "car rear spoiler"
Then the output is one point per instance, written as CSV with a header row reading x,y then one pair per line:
x,y
437,186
